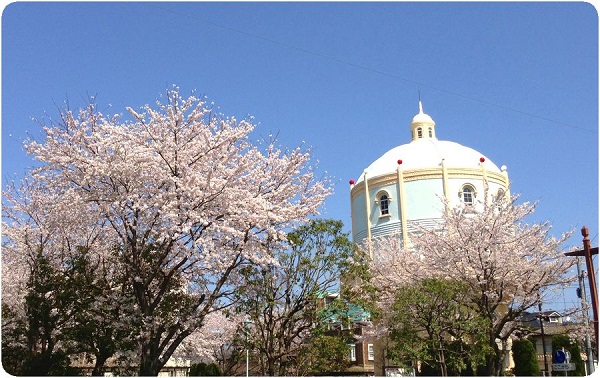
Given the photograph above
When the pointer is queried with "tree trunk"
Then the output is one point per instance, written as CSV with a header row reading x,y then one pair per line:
x,y
99,367
149,362
493,366
443,366
271,367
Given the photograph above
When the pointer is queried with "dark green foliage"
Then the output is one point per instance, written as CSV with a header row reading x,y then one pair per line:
x,y
95,310
14,348
325,354
205,370
35,345
66,313
432,324
525,358
560,341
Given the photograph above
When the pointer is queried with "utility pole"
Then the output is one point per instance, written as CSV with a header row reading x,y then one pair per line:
x,y
546,371
587,252
586,321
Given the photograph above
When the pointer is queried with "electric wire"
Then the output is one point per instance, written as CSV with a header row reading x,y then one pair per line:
x,y
370,69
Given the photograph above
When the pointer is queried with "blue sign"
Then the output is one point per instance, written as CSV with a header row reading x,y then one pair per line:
x,y
559,356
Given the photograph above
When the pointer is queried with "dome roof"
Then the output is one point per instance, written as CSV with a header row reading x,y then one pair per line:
x,y
423,118
428,153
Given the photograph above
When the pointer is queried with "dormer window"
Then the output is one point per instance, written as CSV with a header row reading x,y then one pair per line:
x,y
467,194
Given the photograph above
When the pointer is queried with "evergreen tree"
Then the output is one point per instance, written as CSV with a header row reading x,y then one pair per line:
x,y
525,358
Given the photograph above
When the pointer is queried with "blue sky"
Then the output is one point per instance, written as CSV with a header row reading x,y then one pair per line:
x,y
516,81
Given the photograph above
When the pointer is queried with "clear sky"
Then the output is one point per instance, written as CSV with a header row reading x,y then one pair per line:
x,y
516,81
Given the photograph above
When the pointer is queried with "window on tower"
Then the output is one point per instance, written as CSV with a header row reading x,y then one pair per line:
x,y
467,194
383,200
420,132
384,204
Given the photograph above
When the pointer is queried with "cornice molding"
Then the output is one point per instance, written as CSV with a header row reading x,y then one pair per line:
x,y
429,174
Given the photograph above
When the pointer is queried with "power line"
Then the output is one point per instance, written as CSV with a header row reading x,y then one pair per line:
x,y
369,69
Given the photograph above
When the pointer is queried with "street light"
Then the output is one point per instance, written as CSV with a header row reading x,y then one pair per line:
x,y
247,324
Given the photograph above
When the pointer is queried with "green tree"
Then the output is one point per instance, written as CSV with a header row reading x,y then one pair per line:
x,y
15,354
525,358
572,346
97,307
282,300
69,309
36,344
431,324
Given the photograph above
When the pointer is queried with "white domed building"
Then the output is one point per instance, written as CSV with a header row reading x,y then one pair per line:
x,y
404,189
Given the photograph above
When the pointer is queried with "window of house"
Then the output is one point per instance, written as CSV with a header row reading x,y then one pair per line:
x,y
467,194
352,348
371,352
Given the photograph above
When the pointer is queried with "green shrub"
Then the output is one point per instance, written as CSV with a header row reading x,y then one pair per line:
x,y
205,370
525,358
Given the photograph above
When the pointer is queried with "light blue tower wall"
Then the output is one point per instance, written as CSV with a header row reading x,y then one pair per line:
x,y
424,204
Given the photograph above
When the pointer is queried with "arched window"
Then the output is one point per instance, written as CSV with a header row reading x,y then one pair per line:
x,y
384,204
430,132
420,132
383,199
467,194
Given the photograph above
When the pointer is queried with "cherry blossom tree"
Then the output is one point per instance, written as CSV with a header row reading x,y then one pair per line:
x,y
180,200
218,331
507,264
